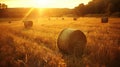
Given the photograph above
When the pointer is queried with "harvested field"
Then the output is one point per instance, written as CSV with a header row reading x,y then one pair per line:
x,y
37,46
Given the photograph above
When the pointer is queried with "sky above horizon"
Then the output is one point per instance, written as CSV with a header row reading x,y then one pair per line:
x,y
44,3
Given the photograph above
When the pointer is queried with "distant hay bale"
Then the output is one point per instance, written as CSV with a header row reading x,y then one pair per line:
x,y
74,18
104,19
62,18
9,22
28,24
71,41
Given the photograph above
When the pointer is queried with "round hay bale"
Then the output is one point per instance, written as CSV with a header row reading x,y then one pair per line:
x,y
104,19
9,22
62,18
28,24
74,18
71,41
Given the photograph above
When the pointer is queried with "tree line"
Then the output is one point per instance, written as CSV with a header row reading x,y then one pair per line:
x,y
3,6
106,7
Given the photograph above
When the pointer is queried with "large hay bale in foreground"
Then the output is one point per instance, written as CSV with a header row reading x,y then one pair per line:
x,y
104,19
71,41
28,24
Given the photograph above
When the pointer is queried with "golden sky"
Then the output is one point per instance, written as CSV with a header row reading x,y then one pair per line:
x,y
44,3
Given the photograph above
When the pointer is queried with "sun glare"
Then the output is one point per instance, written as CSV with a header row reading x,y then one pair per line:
x,y
41,3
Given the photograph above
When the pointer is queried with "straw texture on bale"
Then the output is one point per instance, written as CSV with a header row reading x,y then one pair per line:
x,y
71,41
104,19
28,24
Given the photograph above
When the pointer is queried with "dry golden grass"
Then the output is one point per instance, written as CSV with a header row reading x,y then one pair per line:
x,y
36,47
17,51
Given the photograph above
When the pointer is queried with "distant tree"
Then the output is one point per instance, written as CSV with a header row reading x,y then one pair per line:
x,y
79,10
0,6
3,6
3,11
98,7
109,9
